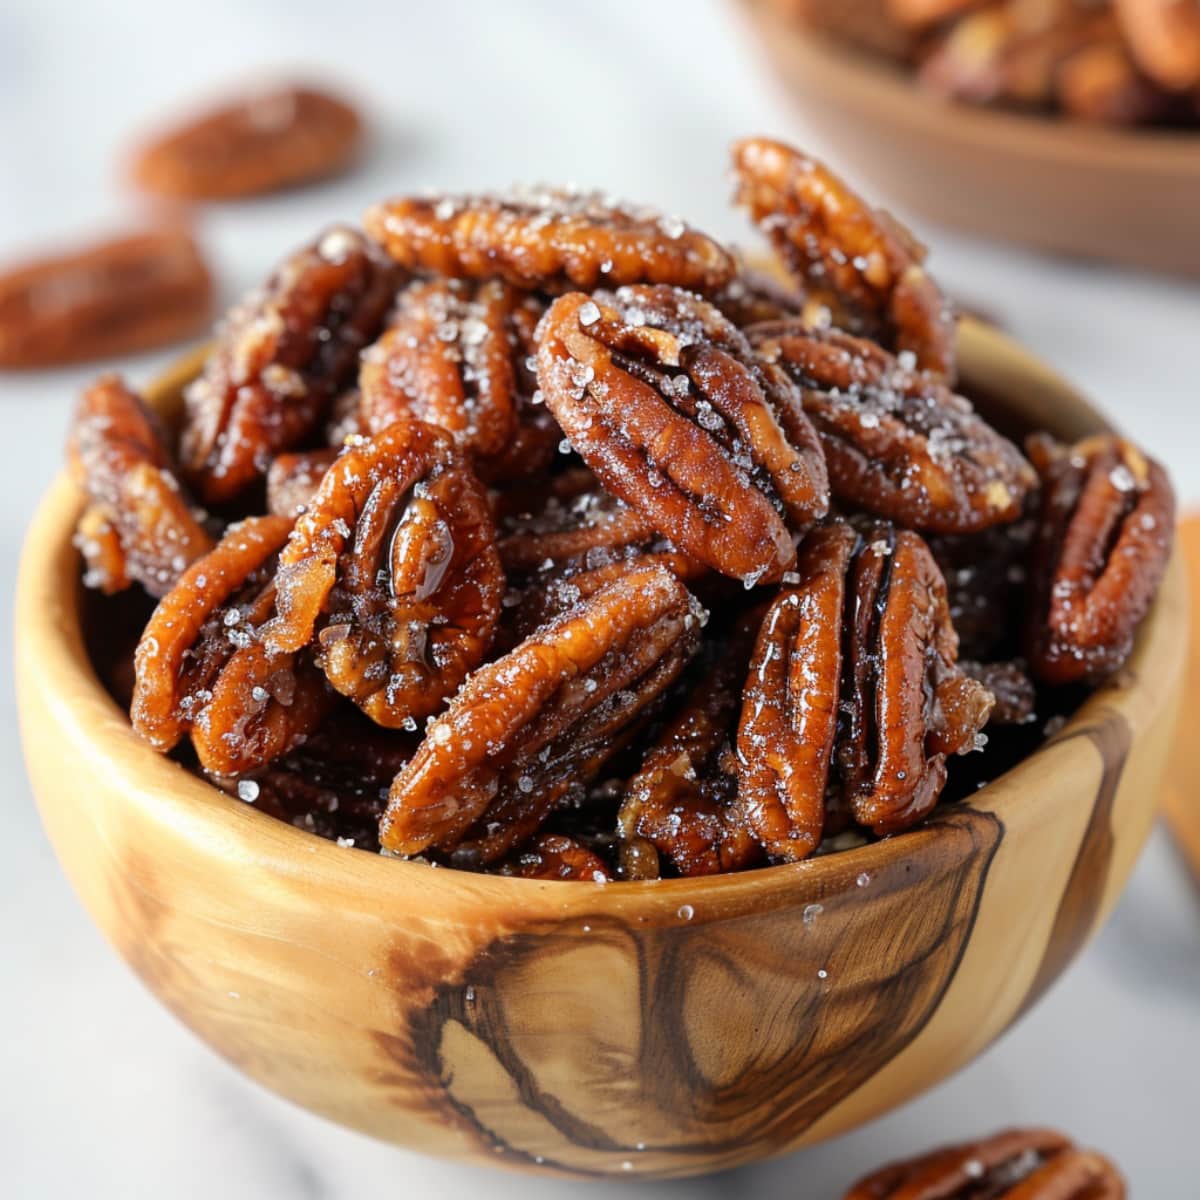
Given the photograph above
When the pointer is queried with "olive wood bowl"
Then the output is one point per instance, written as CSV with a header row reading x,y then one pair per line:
x,y
1126,196
665,1028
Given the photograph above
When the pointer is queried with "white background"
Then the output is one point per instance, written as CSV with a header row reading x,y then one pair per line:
x,y
101,1093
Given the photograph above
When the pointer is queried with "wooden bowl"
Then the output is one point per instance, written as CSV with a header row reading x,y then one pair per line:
x,y
662,1028
1130,197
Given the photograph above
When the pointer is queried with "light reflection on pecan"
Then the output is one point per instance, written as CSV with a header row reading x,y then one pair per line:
x,y
897,442
529,729
1104,538
138,525
393,569
664,400
861,261
281,358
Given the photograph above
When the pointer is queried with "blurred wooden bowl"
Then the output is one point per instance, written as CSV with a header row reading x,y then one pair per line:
x,y
659,1029
1131,197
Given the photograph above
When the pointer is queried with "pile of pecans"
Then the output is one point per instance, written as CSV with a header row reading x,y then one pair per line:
x,y
1122,62
540,536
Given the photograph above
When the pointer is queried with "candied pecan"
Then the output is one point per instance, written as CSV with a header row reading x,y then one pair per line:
x,y
528,728
1012,690
138,525
293,479
1103,541
554,856
548,239
200,667
870,24
681,799
283,355
754,296
853,692
866,266
1101,82
1032,1164
115,297
665,401
393,567
897,442
262,142
455,356
346,419
1164,36
920,13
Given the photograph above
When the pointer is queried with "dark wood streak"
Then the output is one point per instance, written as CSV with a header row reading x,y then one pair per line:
x,y
718,1038
1079,907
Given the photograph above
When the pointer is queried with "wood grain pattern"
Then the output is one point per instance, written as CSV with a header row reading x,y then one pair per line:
x,y
1183,780
676,1027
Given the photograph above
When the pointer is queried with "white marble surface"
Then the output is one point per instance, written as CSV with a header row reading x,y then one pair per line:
x,y
102,1093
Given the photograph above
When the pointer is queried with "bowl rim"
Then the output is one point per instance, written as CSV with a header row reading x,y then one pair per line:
x,y
880,84
50,641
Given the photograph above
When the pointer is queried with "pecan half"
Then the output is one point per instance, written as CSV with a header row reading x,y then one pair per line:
x,y
263,142
393,568
866,266
555,856
455,355
529,728
1101,82
853,694
293,479
282,357
663,398
1029,1164
1164,36
897,442
1103,541
115,297
138,525
548,239
200,667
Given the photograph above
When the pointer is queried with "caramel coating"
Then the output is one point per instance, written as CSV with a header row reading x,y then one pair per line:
x,y
529,728
663,399
455,356
1013,691
866,266
1103,542
263,142
547,239
282,357
1019,1164
393,569
138,525
553,856
897,442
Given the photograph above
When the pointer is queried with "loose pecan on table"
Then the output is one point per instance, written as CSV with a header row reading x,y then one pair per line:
x,y
897,442
1103,541
281,358
861,261
664,399
393,569
201,667
853,696
138,525
548,239
530,730
115,297
1020,1164
268,140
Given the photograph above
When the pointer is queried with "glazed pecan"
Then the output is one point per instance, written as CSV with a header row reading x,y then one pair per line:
x,y
897,442
554,856
455,356
262,142
200,666
922,13
853,692
665,401
138,526
1103,541
293,479
1164,36
393,569
1101,82
867,23
530,728
116,297
860,261
681,801
547,239
754,296
282,357
1021,1164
